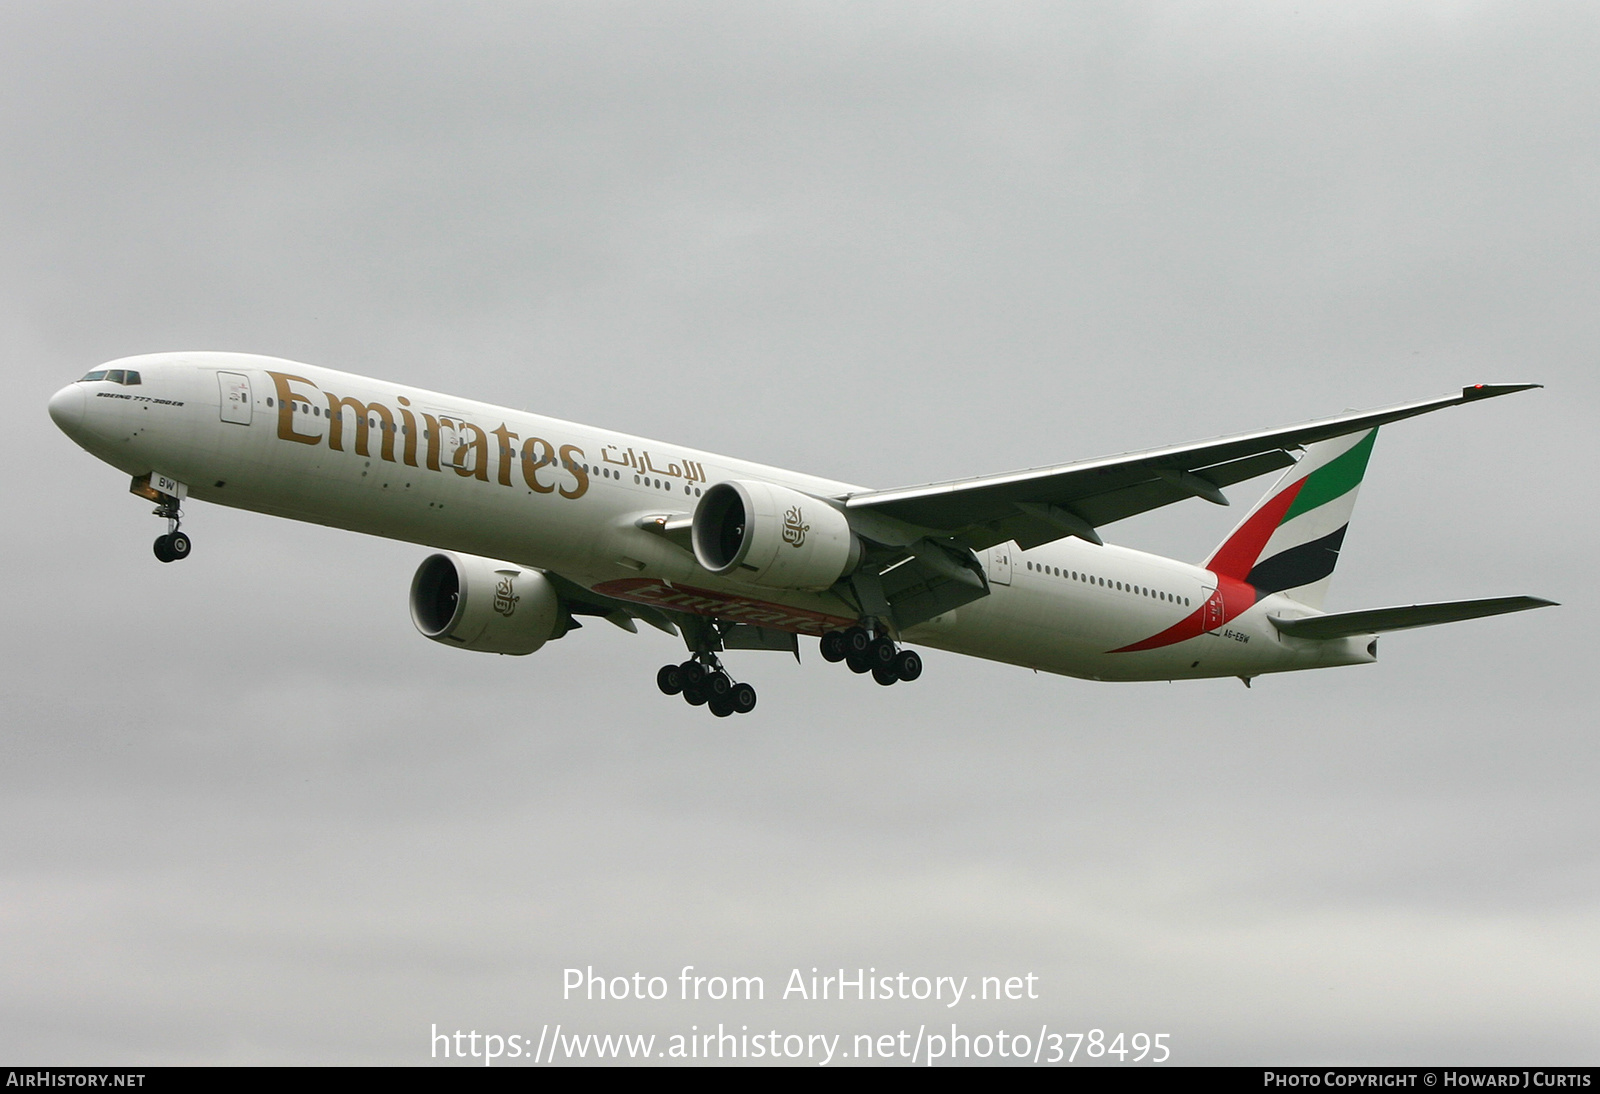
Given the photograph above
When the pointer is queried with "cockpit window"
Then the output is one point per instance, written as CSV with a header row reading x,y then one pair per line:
x,y
112,376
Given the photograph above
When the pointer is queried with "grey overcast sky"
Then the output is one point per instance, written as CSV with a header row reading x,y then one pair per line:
x,y
252,817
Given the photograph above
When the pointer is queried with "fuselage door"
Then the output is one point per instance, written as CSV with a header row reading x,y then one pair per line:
x,y
454,449
1211,610
234,387
1000,563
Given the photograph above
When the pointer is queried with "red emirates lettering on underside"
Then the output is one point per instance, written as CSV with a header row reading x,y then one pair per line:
x,y
1231,599
736,609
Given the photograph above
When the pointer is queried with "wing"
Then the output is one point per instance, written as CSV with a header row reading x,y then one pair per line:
x,y
1042,504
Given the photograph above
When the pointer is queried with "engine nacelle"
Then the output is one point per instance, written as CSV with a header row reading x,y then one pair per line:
x,y
479,604
773,536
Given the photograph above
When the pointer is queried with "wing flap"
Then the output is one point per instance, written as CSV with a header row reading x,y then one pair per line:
x,y
582,601
1377,620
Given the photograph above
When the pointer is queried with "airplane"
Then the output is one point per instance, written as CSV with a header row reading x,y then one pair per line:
x,y
536,522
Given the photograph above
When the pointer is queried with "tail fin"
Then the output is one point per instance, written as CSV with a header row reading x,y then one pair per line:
x,y
1290,541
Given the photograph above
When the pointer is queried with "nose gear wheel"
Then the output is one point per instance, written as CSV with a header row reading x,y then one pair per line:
x,y
175,545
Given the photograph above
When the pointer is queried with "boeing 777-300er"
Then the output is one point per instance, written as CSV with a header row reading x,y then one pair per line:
x,y
539,521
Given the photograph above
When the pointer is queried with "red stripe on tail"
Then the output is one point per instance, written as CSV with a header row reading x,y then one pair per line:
x,y
1236,557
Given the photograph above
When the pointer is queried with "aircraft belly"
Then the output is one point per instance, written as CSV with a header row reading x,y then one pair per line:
x,y
1052,624
1050,631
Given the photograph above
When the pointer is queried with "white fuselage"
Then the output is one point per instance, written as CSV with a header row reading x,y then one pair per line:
x,y
450,473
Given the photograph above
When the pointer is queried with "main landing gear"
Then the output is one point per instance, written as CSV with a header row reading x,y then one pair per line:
x,y
864,652
702,681
175,545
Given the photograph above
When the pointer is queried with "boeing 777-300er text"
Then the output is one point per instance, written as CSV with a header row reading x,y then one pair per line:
x,y
539,521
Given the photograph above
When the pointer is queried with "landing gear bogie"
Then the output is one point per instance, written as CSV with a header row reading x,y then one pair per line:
x,y
864,651
703,682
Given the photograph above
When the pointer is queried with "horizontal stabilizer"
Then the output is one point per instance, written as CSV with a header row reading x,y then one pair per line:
x,y
1377,620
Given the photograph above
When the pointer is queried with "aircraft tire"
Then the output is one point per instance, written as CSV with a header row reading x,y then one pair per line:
x,y
163,549
694,696
717,685
858,664
833,647
908,665
691,673
880,655
885,676
670,679
178,546
721,707
856,642
743,697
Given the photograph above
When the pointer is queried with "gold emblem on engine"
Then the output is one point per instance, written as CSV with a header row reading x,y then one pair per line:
x,y
794,531
505,601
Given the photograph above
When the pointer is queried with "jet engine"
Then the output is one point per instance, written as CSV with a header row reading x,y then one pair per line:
x,y
479,604
773,536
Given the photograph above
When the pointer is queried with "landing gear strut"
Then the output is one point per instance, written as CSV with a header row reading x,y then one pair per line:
x,y
863,651
175,545
702,681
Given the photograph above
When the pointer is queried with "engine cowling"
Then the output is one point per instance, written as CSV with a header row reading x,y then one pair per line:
x,y
773,536
479,604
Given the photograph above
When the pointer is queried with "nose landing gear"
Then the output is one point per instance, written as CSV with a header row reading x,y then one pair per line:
x,y
864,652
175,545
168,494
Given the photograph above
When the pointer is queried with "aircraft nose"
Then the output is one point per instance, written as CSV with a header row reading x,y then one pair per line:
x,y
66,408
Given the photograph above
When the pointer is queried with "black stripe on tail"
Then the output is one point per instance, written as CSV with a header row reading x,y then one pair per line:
x,y
1298,565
